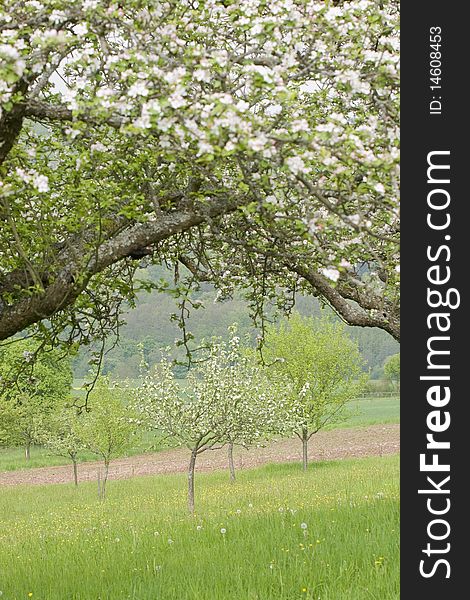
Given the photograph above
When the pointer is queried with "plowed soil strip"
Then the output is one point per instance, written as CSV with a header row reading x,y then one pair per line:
x,y
374,440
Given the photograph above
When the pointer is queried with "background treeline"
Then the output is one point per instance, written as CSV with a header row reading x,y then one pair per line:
x,y
149,327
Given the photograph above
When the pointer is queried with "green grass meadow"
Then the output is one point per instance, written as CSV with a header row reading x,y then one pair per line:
x,y
276,534
368,411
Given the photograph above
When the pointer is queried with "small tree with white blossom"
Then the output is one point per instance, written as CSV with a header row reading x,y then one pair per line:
x,y
227,400
260,406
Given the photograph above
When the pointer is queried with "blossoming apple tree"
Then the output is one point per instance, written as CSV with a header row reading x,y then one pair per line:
x,y
254,142
259,407
226,399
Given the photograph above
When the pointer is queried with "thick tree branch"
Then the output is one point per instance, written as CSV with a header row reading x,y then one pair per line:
x,y
352,299
11,123
352,313
41,110
73,275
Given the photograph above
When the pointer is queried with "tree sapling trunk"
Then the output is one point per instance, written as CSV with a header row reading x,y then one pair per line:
x,y
192,465
230,461
27,451
304,449
75,471
105,479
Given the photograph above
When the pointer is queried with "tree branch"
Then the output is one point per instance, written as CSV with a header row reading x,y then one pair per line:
x,y
11,122
58,112
73,275
353,314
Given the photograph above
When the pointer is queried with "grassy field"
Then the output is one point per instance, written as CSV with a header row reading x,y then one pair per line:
x,y
276,534
364,412
369,411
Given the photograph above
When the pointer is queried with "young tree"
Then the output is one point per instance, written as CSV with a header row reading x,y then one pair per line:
x,y
108,428
217,406
323,366
39,387
260,407
19,422
186,131
59,434
392,370
191,414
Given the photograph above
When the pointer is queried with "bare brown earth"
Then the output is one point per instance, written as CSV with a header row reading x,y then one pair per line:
x,y
374,440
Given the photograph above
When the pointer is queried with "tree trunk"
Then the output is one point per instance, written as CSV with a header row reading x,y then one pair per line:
x,y
304,449
75,472
27,451
231,466
192,465
105,479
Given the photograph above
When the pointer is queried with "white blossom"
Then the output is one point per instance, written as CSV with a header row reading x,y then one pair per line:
x,y
258,143
204,148
81,29
98,147
296,165
139,88
202,75
274,109
331,273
